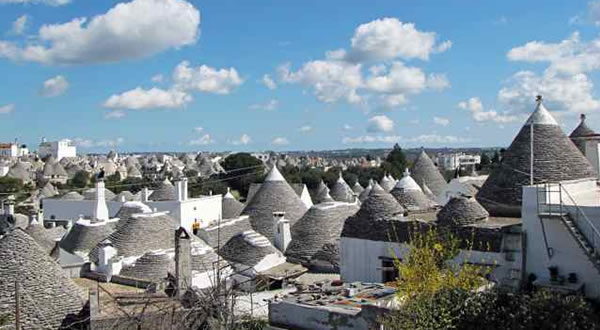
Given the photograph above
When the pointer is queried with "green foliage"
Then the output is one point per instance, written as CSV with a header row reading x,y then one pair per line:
x,y
242,170
206,187
311,177
496,158
364,174
133,185
485,160
495,310
81,179
395,162
10,185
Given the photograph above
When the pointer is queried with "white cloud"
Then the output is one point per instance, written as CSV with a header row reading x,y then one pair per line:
x,y
243,140
20,24
280,141
46,2
134,29
205,79
398,79
380,123
54,86
202,141
115,114
154,98
157,78
6,109
305,129
91,143
270,105
475,107
573,93
441,121
269,82
331,80
424,138
389,38
198,129
347,127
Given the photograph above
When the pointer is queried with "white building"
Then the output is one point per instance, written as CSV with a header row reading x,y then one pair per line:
x,y
57,149
204,209
13,150
456,160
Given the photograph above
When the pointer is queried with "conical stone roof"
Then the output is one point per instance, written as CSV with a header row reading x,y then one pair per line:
x,y
373,219
231,207
248,248
164,192
274,195
460,211
387,183
84,236
153,266
322,224
424,172
408,193
341,192
141,233
555,158
324,196
357,188
48,297
365,193
582,130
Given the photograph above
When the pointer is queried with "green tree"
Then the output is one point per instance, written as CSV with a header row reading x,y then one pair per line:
x,y
395,162
81,179
242,170
10,185
496,157
485,160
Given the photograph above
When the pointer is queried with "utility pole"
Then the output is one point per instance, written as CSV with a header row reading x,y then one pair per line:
x,y
17,307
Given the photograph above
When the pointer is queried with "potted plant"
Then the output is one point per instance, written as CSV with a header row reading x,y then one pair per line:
x,y
553,273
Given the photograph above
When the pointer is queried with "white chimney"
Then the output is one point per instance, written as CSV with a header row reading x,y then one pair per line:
x,y
100,211
9,206
145,194
181,189
281,231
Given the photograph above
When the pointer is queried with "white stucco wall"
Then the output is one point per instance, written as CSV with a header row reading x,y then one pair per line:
x,y
360,259
72,209
567,255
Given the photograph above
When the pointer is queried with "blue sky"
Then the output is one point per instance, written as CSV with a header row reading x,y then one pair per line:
x,y
179,75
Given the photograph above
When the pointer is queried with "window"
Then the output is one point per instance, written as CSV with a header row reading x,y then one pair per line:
x,y
389,272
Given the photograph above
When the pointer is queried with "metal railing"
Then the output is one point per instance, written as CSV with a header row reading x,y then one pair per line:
x,y
548,207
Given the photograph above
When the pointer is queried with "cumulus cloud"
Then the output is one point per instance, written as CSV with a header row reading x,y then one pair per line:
x,y
46,2
20,24
6,109
91,143
186,79
441,121
153,98
129,30
305,129
384,45
198,129
331,80
243,140
269,82
420,139
54,86
389,38
478,114
380,123
347,127
270,105
280,141
573,93
205,79
202,141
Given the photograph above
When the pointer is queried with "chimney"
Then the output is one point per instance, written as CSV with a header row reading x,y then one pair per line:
x,y
281,231
181,189
183,261
145,194
100,210
9,206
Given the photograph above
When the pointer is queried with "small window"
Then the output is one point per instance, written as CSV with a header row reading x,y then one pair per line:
x,y
389,272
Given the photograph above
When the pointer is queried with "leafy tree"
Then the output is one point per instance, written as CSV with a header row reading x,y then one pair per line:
x,y
10,185
396,162
496,157
131,184
242,170
311,177
485,160
81,179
